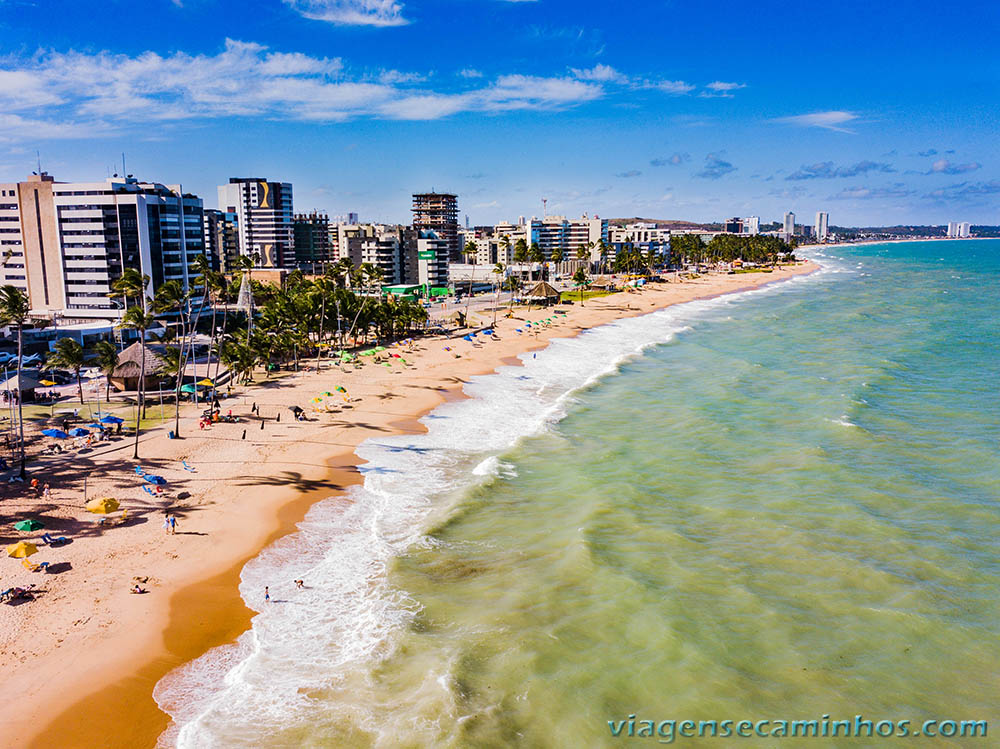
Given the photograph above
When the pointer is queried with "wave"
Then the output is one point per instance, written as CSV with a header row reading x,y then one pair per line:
x,y
327,635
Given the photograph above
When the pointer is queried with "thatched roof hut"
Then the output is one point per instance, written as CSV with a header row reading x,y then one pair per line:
x,y
543,291
126,374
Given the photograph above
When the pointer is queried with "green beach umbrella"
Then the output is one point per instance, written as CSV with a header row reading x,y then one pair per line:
x,y
189,388
29,525
379,348
369,352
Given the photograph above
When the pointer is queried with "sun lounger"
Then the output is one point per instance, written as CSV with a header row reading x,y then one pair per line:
x,y
187,467
146,488
47,538
34,567
139,471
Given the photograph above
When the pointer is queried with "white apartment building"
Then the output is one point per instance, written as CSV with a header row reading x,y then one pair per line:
x,y
822,226
431,261
751,225
959,229
789,226
641,236
568,234
65,243
264,218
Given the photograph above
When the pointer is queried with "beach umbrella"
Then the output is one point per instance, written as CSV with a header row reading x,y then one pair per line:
x,y
96,425
295,409
369,352
189,388
112,420
327,393
103,506
340,389
206,383
78,432
47,383
29,525
317,400
21,550
379,348
153,479
59,434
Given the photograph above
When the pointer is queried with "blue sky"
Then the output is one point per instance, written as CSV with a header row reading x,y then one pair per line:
x,y
685,110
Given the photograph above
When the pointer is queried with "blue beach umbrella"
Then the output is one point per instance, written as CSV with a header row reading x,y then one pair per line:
x,y
95,425
59,434
112,420
78,432
158,480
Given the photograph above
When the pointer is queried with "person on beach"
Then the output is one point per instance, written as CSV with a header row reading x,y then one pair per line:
x,y
45,491
267,594
166,523
173,523
300,584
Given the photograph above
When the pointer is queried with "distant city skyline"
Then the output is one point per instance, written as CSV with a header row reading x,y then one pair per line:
x,y
361,104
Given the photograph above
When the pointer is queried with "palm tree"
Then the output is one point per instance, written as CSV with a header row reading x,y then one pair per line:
x,y
557,256
131,284
14,309
469,251
68,354
581,279
107,361
498,269
139,320
170,297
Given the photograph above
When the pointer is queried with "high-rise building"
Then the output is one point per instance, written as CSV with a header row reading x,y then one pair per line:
x,y
438,212
222,242
313,247
566,234
264,216
733,225
789,227
958,229
750,225
822,226
429,258
647,237
65,243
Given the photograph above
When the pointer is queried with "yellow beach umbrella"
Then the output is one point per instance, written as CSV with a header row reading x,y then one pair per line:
x,y
21,550
103,506
207,383
47,383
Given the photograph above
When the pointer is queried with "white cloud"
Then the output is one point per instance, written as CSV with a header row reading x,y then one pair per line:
x,y
599,72
833,120
351,12
14,127
721,88
470,73
674,87
943,166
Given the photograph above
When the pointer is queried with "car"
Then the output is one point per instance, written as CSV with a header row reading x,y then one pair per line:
x,y
31,359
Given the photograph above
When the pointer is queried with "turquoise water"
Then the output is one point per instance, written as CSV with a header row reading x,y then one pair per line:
x,y
785,508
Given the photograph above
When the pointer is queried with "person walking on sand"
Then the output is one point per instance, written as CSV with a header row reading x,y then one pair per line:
x,y
300,584
166,523
173,524
267,594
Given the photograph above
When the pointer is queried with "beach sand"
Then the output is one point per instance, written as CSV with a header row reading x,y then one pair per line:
x,y
79,663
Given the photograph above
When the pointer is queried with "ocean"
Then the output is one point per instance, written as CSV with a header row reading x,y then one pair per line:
x,y
776,505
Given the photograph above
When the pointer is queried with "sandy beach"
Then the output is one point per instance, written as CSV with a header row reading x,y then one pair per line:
x,y
79,662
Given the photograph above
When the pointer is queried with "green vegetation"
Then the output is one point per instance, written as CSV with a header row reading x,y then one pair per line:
x,y
690,249
584,294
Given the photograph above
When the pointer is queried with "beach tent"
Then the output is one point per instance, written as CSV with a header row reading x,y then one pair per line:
x,y
25,384
189,388
206,383
103,506
21,550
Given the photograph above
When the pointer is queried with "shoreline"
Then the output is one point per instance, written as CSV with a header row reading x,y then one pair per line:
x,y
889,241
208,611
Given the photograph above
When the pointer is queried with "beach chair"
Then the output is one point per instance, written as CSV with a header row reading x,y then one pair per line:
x,y
6,594
28,565
149,490
124,517
187,467
139,471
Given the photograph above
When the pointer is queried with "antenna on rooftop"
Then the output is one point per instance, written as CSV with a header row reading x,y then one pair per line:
x,y
38,157
545,202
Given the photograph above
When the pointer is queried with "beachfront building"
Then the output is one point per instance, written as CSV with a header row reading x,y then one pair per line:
x,y
647,237
788,229
822,226
222,243
311,235
264,219
438,212
959,229
567,234
427,259
65,243
751,226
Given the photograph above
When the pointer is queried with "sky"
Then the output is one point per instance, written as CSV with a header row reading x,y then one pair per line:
x,y
878,113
